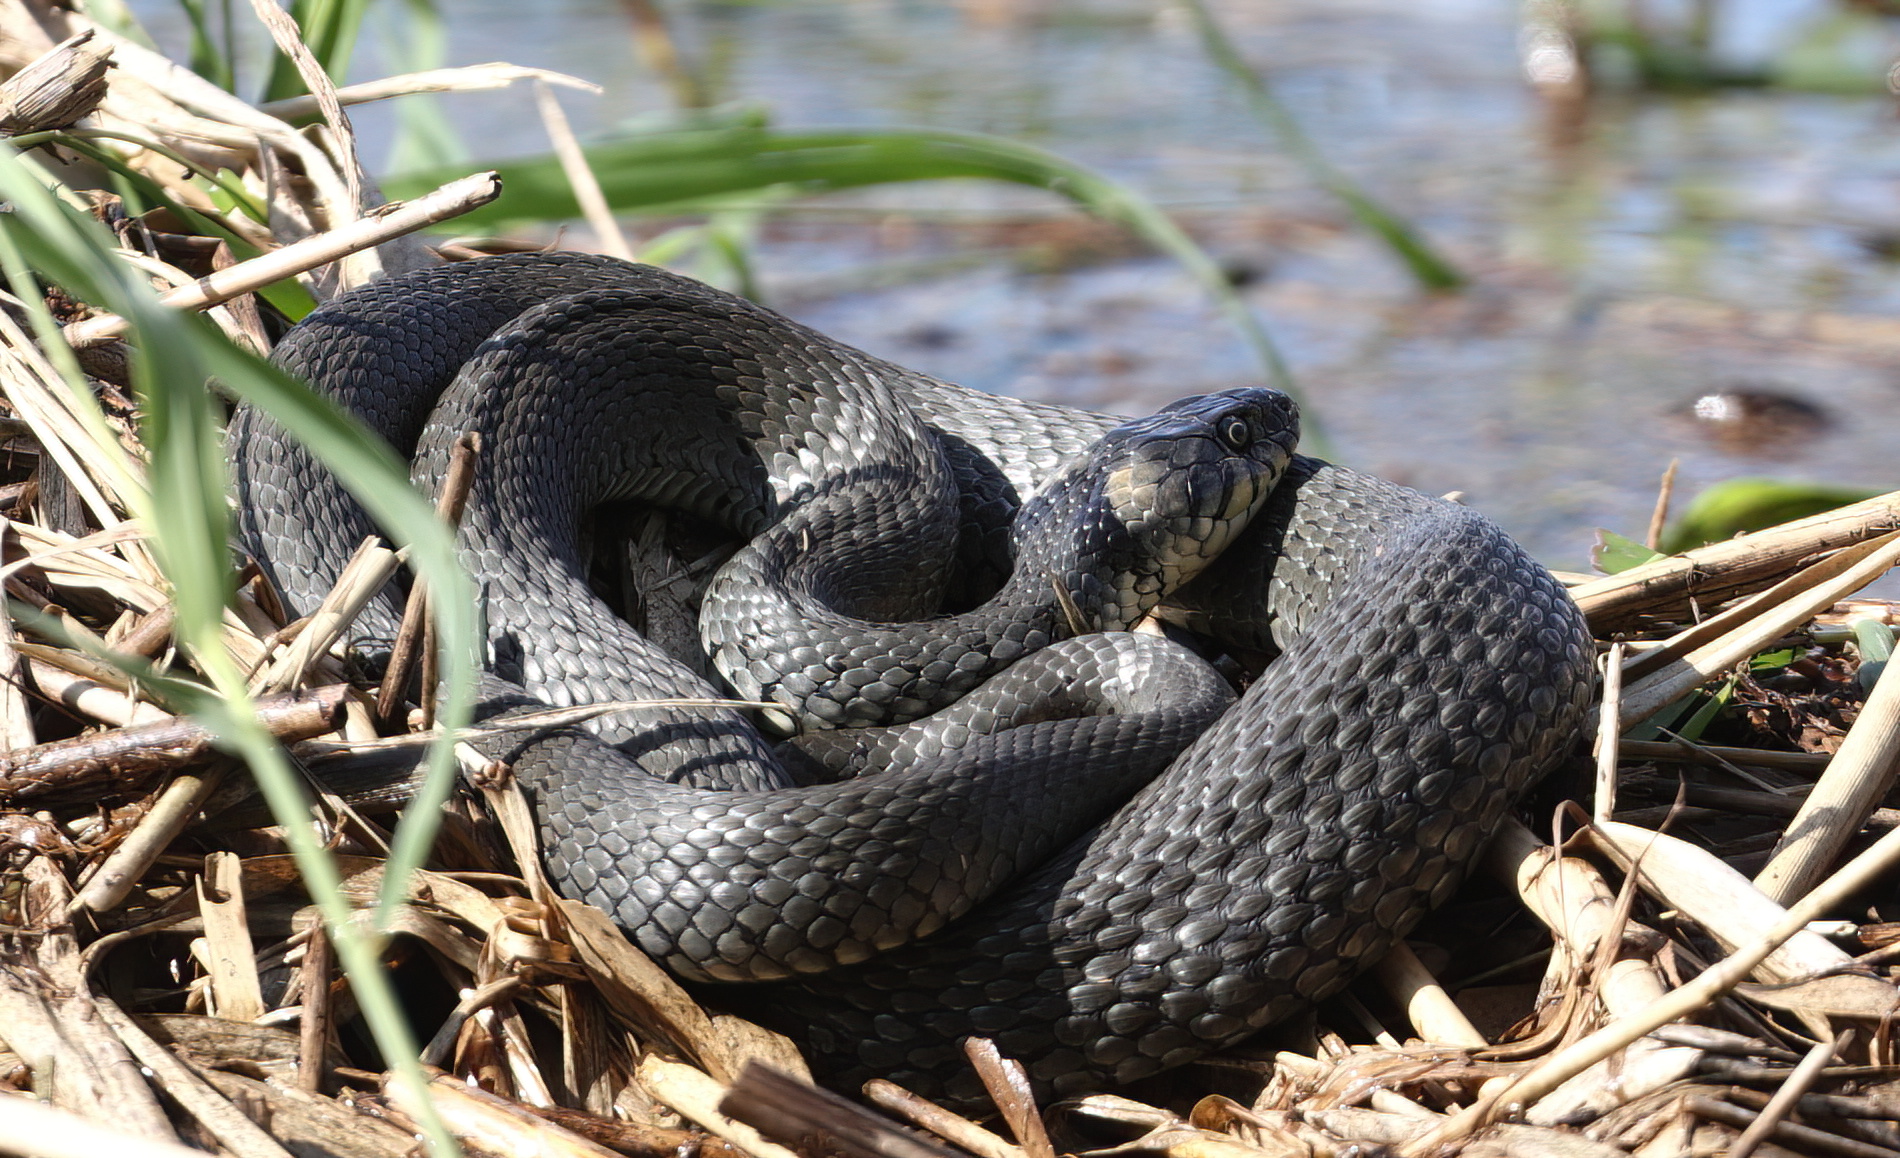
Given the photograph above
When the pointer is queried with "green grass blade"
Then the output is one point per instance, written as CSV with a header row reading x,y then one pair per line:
x,y
424,136
1426,265
699,168
330,28
176,356
206,60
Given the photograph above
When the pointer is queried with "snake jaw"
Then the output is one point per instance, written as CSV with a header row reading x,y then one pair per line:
x,y
1190,479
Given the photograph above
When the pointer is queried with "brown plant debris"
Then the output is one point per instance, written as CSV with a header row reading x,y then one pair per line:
x,y
1707,968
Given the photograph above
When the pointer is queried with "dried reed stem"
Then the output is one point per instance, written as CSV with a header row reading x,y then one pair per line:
x,y
36,1130
1855,781
1653,692
467,78
1720,569
1867,868
391,221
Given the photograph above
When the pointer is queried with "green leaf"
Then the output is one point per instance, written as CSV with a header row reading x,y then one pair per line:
x,y
1740,505
1875,640
420,41
1665,718
1773,660
1614,553
1708,707
1700,707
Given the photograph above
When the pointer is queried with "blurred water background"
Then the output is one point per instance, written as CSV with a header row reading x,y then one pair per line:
x,y
1680,223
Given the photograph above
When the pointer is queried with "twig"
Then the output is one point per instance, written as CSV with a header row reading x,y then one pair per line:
x,y
289,40
71,433
126,757
1806,1137
1608,730
149,635
1639,1069
370,568
63,86
440,1045
1864,870
225,1122
1429,1008
1716,755
1785,1098
16,714
1590,923
1855,781
1659,517
410,636
697,1096
231,958
35,1130
391,221
1708,891
1655,691
1715,626
77,663
952,1127
815,1121
1566,893
580,175
313,1024
1775,804
1723,568
496,1125
48,1015
468,78
1008,1087
174,809
90,700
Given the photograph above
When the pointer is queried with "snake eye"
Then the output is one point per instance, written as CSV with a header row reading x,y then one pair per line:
x,y
1234,432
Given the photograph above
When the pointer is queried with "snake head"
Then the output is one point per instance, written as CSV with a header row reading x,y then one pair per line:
x,y
1158,498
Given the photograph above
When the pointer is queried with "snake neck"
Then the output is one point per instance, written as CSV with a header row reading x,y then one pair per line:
x,y
1097,548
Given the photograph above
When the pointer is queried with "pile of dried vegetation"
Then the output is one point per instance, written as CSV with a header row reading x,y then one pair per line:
x,y
1700,968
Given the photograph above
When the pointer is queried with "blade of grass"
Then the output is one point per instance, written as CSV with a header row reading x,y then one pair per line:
x,y
206,60
229,184
697,168
424,135
1426,265
140,192
330,28
185,507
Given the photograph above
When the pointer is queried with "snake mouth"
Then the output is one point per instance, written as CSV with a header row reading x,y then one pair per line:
x,y
1188,480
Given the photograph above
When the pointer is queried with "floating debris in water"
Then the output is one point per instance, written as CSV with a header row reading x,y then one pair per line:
x,y
1756,421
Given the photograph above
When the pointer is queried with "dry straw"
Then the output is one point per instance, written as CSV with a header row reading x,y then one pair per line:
x,y
557,1036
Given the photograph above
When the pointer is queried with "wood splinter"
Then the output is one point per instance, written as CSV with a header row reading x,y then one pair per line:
x,y
815,1121
1008,1086
413,637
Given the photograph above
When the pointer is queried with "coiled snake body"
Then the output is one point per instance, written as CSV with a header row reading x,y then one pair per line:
x,y
1427,670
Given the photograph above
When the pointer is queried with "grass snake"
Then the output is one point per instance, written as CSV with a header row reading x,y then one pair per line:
x,y
1426,670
